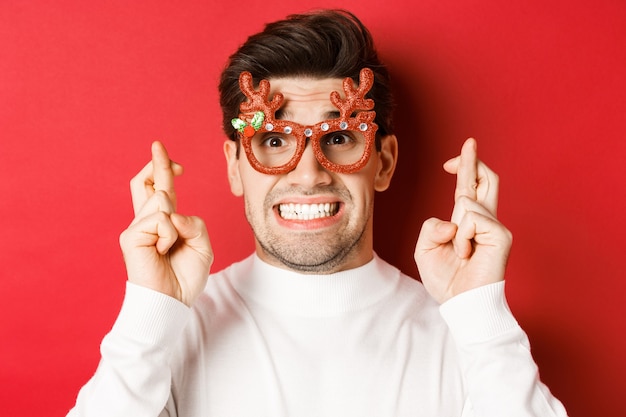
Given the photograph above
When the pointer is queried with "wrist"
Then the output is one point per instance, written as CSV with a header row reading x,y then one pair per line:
x,y
150,317
478,314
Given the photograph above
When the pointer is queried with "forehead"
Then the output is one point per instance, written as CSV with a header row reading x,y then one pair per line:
x,y
305,95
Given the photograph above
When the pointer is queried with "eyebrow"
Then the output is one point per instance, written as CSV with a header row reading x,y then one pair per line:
x,y
281,114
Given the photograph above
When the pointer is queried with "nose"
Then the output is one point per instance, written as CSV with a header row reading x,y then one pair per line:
x,y
309,173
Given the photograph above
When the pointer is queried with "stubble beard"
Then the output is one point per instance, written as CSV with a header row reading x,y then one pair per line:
x,y
313,252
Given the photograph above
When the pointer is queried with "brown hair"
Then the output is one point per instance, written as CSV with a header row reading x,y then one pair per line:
x,y
323,44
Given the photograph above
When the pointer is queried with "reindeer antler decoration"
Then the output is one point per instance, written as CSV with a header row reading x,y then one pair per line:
x,y
258,103
355,98
263,110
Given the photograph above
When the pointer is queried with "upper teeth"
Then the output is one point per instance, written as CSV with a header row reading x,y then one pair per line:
x,y
298,211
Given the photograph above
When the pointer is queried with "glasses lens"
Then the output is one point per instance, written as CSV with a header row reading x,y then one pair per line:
x,y
273,149
343,147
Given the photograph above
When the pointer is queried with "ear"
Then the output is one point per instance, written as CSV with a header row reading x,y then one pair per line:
x,y
388,157
232,166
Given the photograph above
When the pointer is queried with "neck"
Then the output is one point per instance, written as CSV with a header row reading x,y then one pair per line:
x,y
279,289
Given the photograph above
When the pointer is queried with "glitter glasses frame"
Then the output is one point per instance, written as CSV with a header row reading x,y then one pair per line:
x,y
257,116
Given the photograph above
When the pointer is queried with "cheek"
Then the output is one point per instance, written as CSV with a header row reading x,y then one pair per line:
x,y
256,187
254,207
361,188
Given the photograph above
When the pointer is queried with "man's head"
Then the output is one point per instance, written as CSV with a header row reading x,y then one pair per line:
x,y
311,215
323,44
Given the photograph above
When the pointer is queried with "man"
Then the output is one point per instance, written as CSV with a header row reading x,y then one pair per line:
x,y
314,323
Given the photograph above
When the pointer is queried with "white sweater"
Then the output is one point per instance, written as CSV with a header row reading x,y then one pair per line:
x,y
263,341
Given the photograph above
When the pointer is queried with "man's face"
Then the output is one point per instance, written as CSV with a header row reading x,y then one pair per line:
x,y
311,219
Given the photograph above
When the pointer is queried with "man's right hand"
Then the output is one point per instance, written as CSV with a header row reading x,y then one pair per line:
x,y
163,250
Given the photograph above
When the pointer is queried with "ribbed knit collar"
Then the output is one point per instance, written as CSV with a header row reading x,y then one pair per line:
x,y
314,295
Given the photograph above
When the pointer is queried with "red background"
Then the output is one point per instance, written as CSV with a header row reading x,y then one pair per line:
x,y
86,86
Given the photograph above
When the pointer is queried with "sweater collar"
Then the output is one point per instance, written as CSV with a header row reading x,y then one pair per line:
x,y
291,292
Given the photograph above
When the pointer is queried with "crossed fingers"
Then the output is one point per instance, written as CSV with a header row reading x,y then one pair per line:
x,y
475,198
475,180
156,177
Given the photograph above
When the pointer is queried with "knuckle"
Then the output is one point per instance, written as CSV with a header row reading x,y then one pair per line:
x,y
508,234
464,200
431,222
160,195
161,216
210,257
136,181
471,216
163,200
124,238
198,221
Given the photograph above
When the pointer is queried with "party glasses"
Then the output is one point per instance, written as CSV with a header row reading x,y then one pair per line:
x,y
275,146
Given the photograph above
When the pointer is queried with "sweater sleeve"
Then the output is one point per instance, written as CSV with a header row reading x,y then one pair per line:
x,y
133,377
500,373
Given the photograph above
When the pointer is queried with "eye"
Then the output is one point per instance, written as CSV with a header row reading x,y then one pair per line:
x,y
336,139
274,142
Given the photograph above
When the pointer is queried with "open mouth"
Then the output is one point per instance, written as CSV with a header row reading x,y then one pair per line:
x,y
297,211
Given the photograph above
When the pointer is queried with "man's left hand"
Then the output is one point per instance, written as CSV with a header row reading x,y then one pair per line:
x,y
470,250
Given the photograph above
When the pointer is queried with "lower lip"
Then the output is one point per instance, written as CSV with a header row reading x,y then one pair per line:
x,y
313,224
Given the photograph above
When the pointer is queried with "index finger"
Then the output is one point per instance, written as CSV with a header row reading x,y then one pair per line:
x,y
465,167
162,170
158,174
475,180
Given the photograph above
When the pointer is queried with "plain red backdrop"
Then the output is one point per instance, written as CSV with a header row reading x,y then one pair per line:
x,y
86,86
